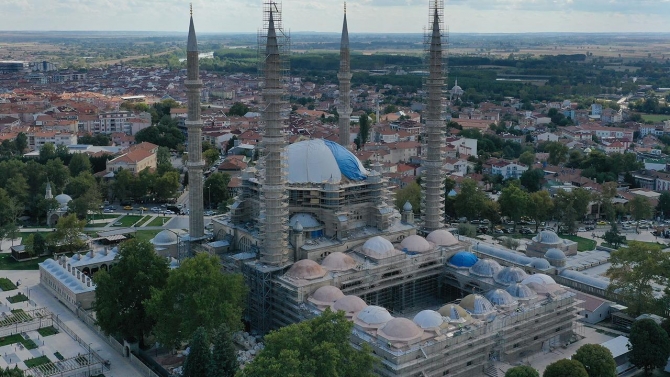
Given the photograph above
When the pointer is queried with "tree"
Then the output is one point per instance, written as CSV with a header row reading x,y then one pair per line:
x,y
47,152
470,200
633,270
532,179
316,347
224,355
215,189
39,244
597,360
639,208
79,163
196,294
565,368
513,202
663,206
540,207
363,131
163,163
166,186
68,231
527,158
238,109
557,152
650,346
613,237
58,174
522,371
15,372
410,193
21,142
199,358
210,155
121,292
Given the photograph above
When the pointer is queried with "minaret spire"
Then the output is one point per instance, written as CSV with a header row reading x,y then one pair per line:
x,y
433,182
195,164
344,76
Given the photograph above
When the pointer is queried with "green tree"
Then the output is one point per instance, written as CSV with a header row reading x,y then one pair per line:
x,y
210,156
68,231
663,206
513,202
540,207
47,152
650,346
79,163
532,179
39,244
166,186
527,158
581,200
224,355
557,152
163,163
21,142
363,131
613,237
597,360
215,189
410,193
522,371
470,200
197,294
238,109
633,270
565,368
58,174
639,208
14,372
121,292
316,347
199,358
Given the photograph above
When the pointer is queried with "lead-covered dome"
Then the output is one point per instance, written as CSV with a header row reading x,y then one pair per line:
x,y
400,329
165,238
554,254
510,275
547,237
463,259
349,304
338,261
485,268
63,199
540,279
305,220
374,315
326,295
477,305
305,269
442,237
416,244
320,161
454,313
521,291
540,264
428,319
378,247
499,297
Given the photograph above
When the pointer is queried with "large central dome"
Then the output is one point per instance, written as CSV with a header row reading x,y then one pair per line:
x,y
317,161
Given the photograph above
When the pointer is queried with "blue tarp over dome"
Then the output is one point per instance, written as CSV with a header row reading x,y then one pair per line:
x,y
320,161
463,259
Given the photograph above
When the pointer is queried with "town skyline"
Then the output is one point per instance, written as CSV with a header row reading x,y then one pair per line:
x,y
365,16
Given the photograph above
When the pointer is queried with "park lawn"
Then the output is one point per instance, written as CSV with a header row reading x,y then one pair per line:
x,y
158,221
9,263
17,338
46,331
19,297
143,220
656,118
146,235
103,216
37,361
583,244
6,284
128,220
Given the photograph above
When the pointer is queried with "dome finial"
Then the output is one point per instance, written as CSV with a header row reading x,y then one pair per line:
x,y
345,7
191,9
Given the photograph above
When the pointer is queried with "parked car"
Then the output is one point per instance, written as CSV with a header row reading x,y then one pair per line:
x,y
589,228
498,231
602,222
475,221
128,208
107,210
582,229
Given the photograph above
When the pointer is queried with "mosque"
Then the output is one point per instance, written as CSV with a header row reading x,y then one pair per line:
x,y
312,229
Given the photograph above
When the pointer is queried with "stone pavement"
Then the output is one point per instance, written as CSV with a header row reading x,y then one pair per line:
x,y
120,366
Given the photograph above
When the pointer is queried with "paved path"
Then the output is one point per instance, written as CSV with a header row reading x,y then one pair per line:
x,y
120,366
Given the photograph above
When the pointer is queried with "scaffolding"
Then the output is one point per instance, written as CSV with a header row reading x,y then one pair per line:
x,y
260,298
432,203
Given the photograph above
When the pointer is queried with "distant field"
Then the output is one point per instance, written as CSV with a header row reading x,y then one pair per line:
x,y
655,117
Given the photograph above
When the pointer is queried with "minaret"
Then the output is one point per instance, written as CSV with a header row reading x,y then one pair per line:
x,y
433,180
196,221
274,217
344,75
48,194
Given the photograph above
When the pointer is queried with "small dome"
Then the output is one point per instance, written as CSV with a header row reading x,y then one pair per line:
x,y
349,304
540,279
63,199
306,220
416,244
428,319
400,329
485,268
338,261
540,264
378,247
510,275
165,238
374,315
297,226
407,207
554,254
305,269
442,237
327,295
547,237
463,259
588,150
454,313
500,298
477,305
521,291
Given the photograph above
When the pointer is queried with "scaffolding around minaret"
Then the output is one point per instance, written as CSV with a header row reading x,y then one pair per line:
x,y
432,203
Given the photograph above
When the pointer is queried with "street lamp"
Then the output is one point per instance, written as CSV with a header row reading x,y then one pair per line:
x,y
209,196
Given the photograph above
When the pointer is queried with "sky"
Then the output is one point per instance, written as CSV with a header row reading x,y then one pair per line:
x,y
364,16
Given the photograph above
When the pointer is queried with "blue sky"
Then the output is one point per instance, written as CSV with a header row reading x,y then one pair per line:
x,y
382,16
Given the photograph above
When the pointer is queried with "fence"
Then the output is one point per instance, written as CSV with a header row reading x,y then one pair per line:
x,y
20,322
146,371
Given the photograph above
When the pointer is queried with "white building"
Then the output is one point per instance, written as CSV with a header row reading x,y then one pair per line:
x,y
508,169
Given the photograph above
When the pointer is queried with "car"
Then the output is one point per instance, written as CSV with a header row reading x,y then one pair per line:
x,y
168,212
485,221
107,210
128,208
155,209
475,222
644,226
508,231
626,226
180,206
589,228
509,222
143,209
581,229
602,222
498,231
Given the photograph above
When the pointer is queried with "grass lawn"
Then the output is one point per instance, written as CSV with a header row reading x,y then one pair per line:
x,y
8,263
46,331
146,235
96,225
143,220
158,221
6,284
19,297
583,244
37,361
655,117
103,216
17,338
128,220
